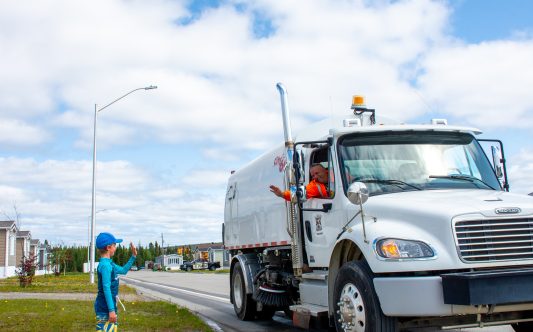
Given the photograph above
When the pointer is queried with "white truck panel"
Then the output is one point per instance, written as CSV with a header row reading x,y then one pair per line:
x,y
255,217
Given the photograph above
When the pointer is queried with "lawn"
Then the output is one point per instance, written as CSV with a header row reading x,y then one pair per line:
x,y
69,283
64,315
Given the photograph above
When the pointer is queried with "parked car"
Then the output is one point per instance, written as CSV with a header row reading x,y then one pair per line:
x,y
199,264
134,268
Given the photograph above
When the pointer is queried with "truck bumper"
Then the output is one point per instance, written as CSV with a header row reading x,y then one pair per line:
x,y
425,296
488,287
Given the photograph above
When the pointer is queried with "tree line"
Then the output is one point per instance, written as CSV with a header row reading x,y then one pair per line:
x,y
71,258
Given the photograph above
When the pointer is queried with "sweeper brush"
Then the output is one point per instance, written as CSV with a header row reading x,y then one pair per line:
x,y
271,296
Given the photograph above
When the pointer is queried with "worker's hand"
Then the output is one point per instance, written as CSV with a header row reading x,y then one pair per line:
x,y
276,191
112,317
133,249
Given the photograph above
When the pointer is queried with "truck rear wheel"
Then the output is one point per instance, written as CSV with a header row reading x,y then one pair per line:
x,y
189,269
243,304
357,307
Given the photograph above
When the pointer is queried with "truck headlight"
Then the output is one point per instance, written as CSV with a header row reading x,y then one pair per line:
x,y
400,249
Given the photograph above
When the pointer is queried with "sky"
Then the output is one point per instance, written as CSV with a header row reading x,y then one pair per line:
x,y
164,155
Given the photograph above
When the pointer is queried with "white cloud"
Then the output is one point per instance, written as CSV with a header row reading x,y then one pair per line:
x,y
216,81
482,84
207,178
520,171
54,200
12,193
168,193
18,133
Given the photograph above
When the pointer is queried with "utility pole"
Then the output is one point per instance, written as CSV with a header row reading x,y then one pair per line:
x,y
162,245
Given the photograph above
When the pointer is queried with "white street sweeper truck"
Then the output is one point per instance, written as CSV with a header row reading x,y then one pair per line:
x,y
416,229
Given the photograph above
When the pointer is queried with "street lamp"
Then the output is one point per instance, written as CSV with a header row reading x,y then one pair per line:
x,y
93,213
89,236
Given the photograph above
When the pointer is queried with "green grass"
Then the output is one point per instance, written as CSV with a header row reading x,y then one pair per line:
x,y
64,315
69,283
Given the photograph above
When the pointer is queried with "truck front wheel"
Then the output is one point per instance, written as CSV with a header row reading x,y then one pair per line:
x,y
523,327
357,307
243,304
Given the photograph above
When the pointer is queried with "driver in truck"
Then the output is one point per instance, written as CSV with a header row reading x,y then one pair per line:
x,y
317,188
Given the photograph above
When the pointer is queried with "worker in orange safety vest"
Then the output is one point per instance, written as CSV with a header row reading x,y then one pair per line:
x,y
315,189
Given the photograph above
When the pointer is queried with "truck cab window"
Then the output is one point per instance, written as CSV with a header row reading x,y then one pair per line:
x,y
321,171
402,161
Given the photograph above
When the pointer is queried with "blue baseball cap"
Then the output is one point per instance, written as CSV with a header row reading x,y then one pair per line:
x,y
105,239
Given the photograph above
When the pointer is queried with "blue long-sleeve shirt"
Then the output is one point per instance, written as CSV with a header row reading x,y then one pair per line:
x,y
106,300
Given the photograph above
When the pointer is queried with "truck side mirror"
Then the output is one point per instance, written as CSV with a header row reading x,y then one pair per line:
x,y
301,194
357,193
497,162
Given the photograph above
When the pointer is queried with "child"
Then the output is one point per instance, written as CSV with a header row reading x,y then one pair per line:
x,y
105,305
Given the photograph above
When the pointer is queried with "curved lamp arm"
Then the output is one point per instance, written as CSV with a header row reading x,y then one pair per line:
x,y
132,91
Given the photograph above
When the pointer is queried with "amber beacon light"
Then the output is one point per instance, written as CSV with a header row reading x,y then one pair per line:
x,y
358,102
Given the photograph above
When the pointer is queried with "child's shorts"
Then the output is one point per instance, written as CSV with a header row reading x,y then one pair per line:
x,y
103,324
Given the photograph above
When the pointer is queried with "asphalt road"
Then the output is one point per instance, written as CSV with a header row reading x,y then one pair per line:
x,y
205,294
208,295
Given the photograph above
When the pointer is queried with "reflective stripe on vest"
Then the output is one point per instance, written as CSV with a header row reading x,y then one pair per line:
x,y
319,187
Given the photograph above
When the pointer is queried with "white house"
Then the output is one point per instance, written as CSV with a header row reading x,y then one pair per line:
x,y
34,248
171,262
219,254
43,265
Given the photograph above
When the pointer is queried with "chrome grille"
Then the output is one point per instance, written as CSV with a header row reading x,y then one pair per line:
x,y
495,239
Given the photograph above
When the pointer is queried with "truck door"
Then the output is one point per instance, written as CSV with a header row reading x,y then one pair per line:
x,y
320,218
231,227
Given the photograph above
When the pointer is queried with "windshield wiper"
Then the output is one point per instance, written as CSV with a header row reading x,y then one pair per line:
x,y
461,177
397,183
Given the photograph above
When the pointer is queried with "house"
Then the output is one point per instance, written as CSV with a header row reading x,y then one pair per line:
x,y
22,245
34,248
213,252
40,252
218,254
8,236
201,251
43,265
170,262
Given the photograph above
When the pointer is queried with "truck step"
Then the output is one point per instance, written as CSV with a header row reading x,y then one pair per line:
x,y
310,309
302,313
316,275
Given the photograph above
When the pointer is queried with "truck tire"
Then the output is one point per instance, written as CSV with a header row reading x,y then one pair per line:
x,y
243,304
523,327
189,269
212,268
357,307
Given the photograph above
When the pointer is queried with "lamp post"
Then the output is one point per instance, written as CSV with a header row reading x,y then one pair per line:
x,y
93,213
89,236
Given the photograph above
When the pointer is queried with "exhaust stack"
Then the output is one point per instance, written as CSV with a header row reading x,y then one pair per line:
x,y
290,181
285,113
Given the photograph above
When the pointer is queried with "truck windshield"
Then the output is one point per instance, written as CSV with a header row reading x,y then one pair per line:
x,y
403,161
